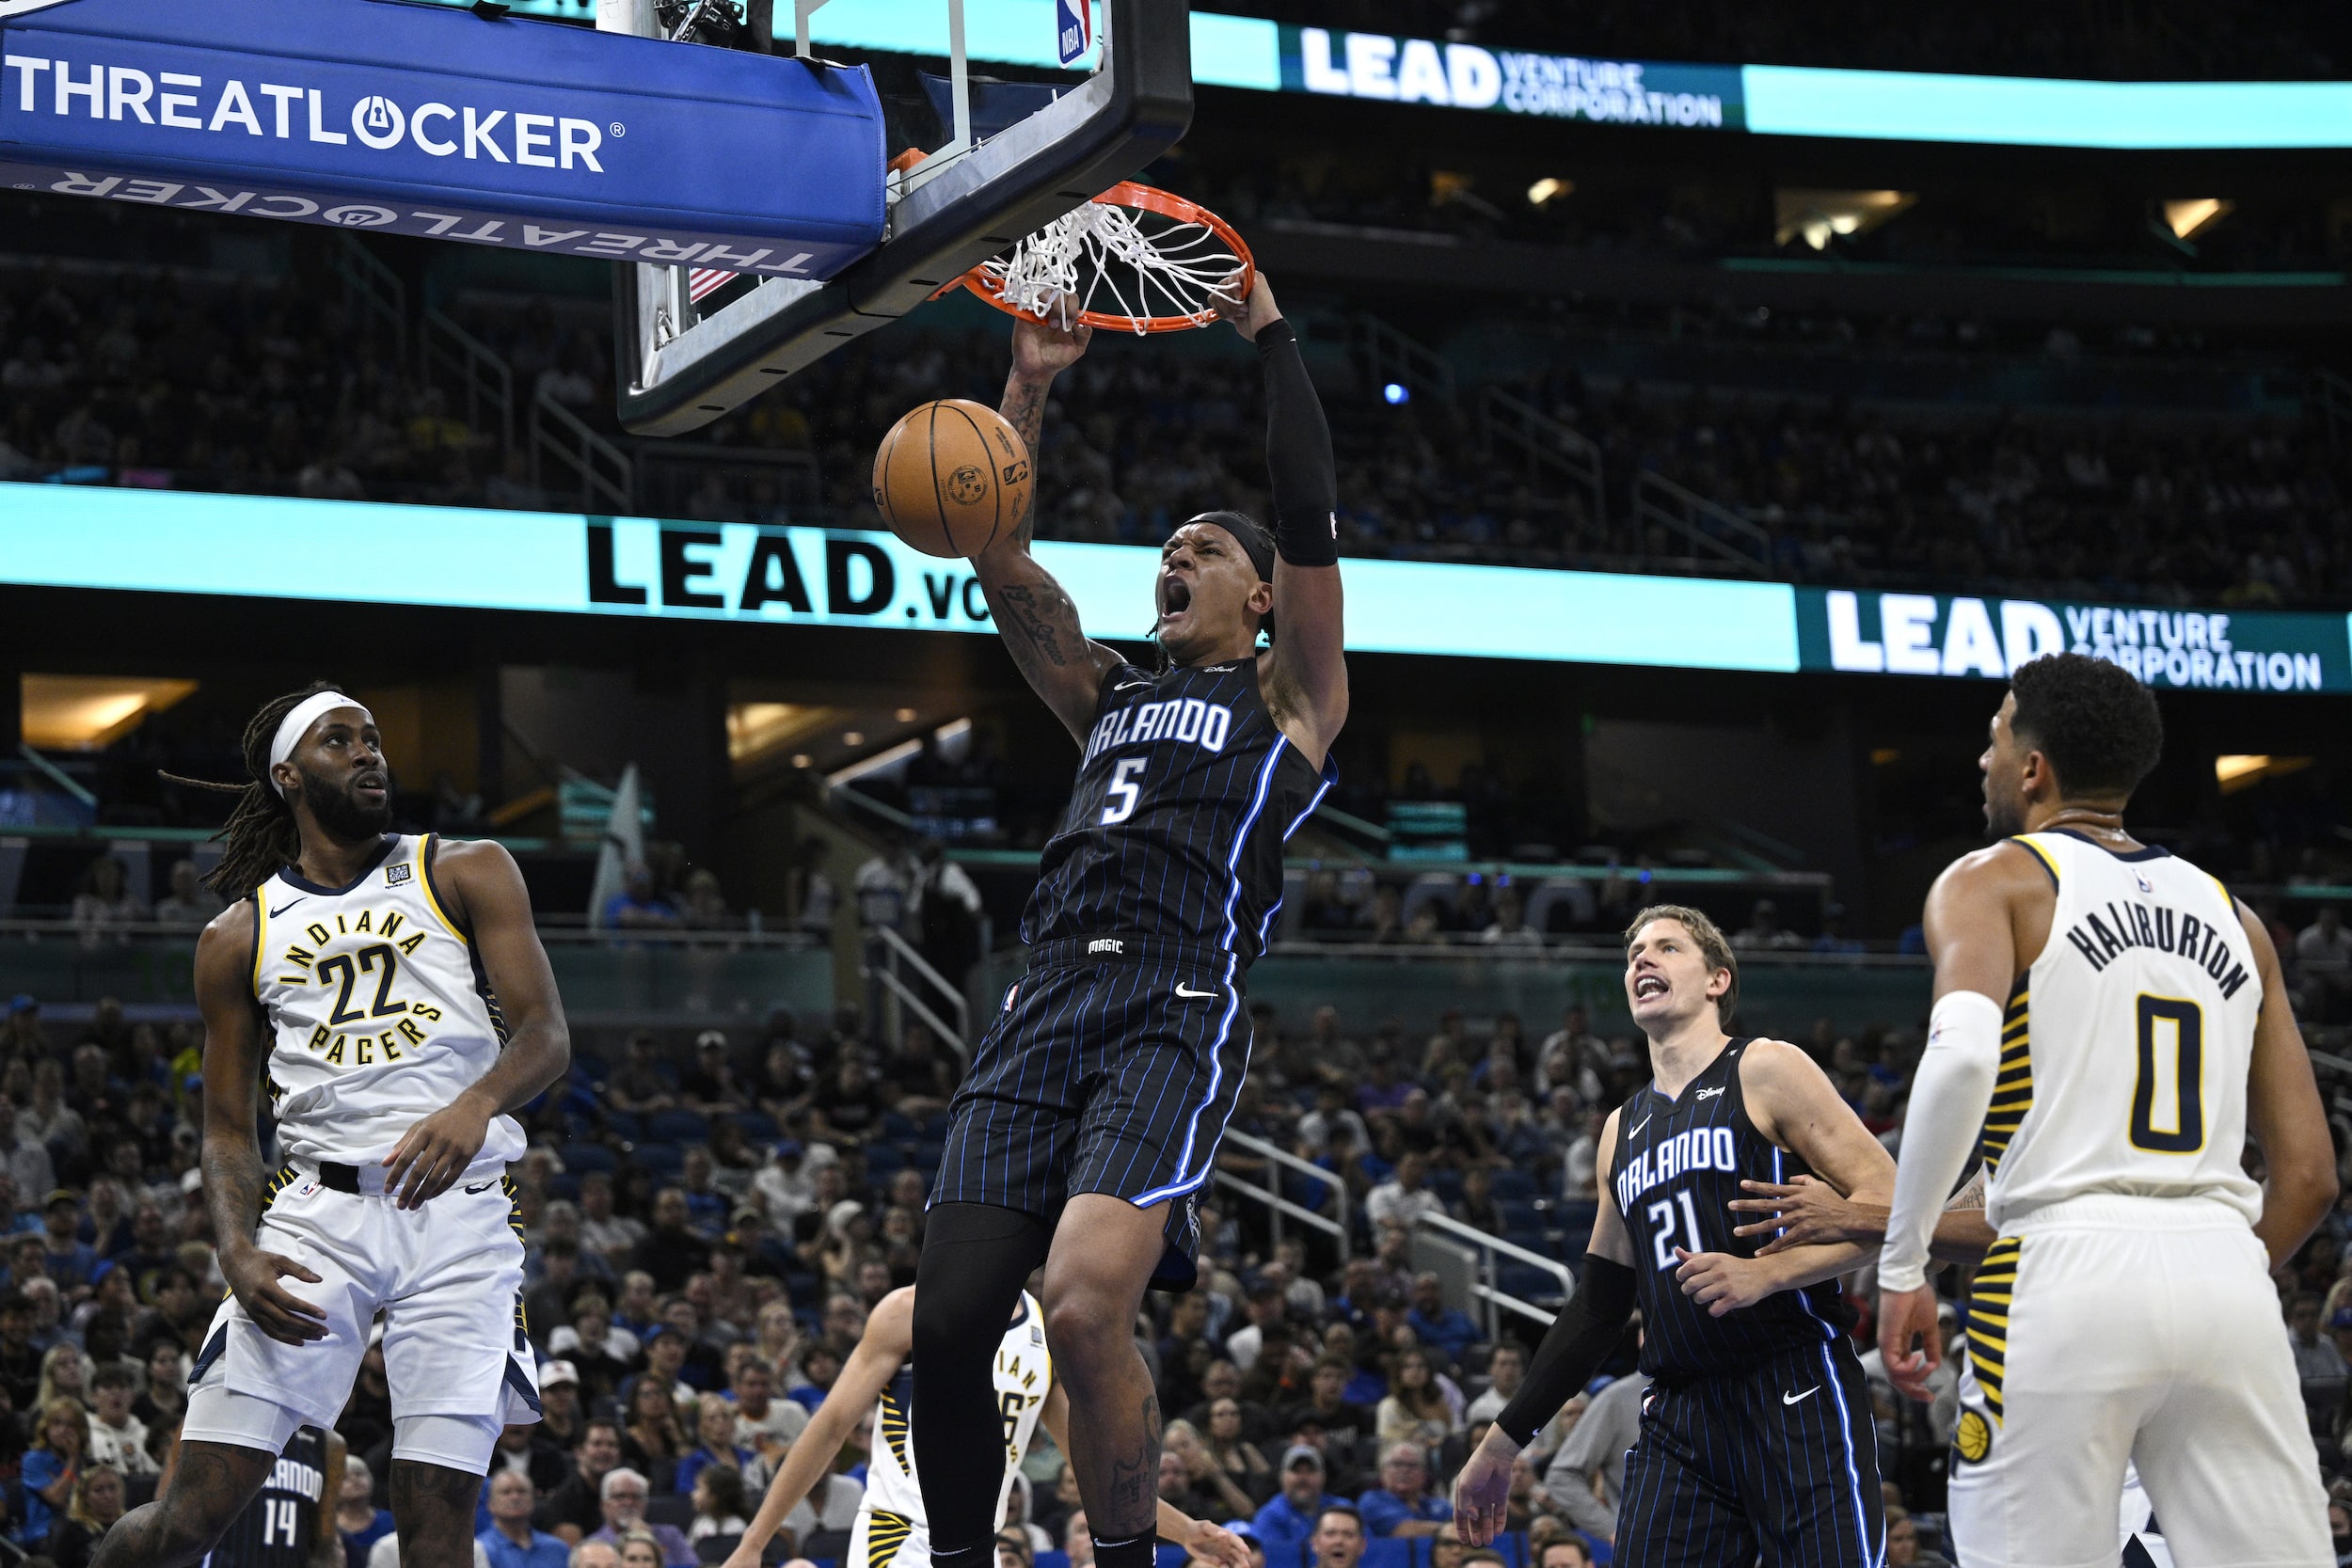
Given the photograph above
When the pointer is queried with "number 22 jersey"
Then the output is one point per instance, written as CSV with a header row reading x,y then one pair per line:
x,y
1186,791
378,1009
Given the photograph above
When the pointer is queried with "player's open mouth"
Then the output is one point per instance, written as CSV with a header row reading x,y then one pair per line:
x,y
369,783
1647,987
1175,596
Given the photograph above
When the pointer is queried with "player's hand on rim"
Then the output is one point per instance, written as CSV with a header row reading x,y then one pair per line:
x,y
1250,312
436,1152
1906,1316
1800,1211
1042,350
253,1275
1481,1493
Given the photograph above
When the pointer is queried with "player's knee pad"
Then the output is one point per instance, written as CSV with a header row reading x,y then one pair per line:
x,y
456,1442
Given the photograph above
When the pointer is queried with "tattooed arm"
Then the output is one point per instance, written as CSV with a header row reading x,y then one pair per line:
x,y
1035,616
234,1050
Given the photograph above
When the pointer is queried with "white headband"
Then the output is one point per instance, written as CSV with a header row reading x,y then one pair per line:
x,y
297,723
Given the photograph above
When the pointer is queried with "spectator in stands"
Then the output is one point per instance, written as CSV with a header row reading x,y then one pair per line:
x,y
1505,1368
1415,1411
2323,951
23,1159
764,1423
1327,1404
610,1236
651,1440
2319,1366
1402,1504
919,1080
1587,1474
719,1504
672,1251
1568,1551
830,1505
1764,929
715,1445
53,1464
1238,1459
575,1508
528,1449
510,1541
1448,1331
1509,927
848,1105
118,1438
103,905
1406,1197
191,903
1190,1480
357,1520
1902,1542
624,1492
639,906
786,1186
599,1355
642,1084
1285,1523
1339,1539
1265,1306
97,1504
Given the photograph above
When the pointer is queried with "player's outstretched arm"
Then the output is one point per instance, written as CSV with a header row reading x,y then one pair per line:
x,y
1793,1103
1033,614
2284,1113
1588,1329
889,1339
233,1054
1307,668
1805,1212
1197,1536
484,891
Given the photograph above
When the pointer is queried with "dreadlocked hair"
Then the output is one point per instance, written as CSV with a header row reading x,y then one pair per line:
x,y
261,835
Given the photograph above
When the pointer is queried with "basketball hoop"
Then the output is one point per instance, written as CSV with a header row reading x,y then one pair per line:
x,y
1133,259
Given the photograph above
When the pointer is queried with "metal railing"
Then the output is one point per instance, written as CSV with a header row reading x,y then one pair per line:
x,y
1486,1288
1710,534
606,476
1550,450
481,376
1279,1208
377,297
1387,355
886,951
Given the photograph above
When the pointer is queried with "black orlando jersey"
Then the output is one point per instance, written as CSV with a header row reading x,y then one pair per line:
x,y
279,1527
1186,792
1678,1164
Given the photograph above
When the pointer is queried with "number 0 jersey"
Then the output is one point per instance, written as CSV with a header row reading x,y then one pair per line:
x,y
2124,1047
1023,1374
1186,791
378,1010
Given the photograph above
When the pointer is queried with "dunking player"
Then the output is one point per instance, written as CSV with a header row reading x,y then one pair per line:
x,y
394,992
891,1524
2114,1022
1085,1131
1757,1434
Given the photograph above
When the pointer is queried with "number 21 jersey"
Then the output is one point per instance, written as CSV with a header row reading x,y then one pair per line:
x,y
1186,791
377,1007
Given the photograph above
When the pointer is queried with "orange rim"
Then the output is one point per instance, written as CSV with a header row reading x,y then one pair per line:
x,y
1147,199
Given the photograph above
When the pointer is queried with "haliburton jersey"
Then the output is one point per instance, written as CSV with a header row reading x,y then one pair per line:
x,y
1023,1373
1678,1164
2126,1046
1186,791
279,1527
378,1009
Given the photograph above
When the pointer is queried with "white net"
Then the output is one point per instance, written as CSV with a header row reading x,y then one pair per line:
x,y
1119,260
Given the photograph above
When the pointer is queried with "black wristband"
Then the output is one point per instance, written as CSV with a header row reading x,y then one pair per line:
x,y
1588,1329
1298,454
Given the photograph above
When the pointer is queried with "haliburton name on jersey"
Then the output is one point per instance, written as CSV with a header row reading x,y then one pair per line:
x,y
2164,930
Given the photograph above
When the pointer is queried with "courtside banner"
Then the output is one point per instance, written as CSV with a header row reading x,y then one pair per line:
x,y
167,541
1960,636
422,119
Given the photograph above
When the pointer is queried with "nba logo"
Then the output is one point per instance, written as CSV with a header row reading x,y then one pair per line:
x,y
1074,29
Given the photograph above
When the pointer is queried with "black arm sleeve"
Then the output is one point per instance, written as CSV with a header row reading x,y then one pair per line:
x,y
1588,1329
1297,454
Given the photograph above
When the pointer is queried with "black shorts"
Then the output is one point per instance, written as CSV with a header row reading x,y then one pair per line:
x,y
1111,1069
1779,1461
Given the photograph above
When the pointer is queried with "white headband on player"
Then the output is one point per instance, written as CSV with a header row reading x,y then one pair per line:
x,y
297,723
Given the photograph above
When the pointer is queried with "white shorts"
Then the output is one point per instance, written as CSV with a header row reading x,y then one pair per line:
x,y
2108,1331
880,1538
448,1279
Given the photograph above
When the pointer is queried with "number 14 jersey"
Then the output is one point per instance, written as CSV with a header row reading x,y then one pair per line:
x,y
1186,792
377,1007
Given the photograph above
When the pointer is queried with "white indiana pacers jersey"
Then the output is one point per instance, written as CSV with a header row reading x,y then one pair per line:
x,y
378,1010
1024,1374
2124,1049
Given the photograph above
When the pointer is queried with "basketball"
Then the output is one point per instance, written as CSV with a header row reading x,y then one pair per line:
x,y
951,477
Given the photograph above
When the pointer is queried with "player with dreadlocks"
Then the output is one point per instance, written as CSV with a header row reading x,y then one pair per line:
x,y
392,992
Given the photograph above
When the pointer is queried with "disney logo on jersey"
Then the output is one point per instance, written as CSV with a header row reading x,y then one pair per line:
x,y
1188,720
2161,929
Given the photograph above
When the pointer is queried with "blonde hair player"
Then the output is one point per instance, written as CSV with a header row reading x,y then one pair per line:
x,y
2114,1023
392,992
890,1522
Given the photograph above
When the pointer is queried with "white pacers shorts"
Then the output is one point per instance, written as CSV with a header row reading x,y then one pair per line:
x,y
880,1538
448,1279
2111,1330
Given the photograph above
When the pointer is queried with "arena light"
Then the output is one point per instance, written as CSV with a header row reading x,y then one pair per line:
x,y
1396,392
1544,192
2236,771
1818,216
2189,219
87,713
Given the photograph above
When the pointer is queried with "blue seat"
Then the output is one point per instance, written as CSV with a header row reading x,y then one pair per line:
x,y
663,1160
897,1126
1389,1551
1447,1184
679,1126
624,1125
1528,1283
1520,1215
1512,1182
583,1157
882,1158
758,1126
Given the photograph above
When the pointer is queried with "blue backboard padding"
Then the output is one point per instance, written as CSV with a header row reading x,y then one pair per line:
x,y
417,110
